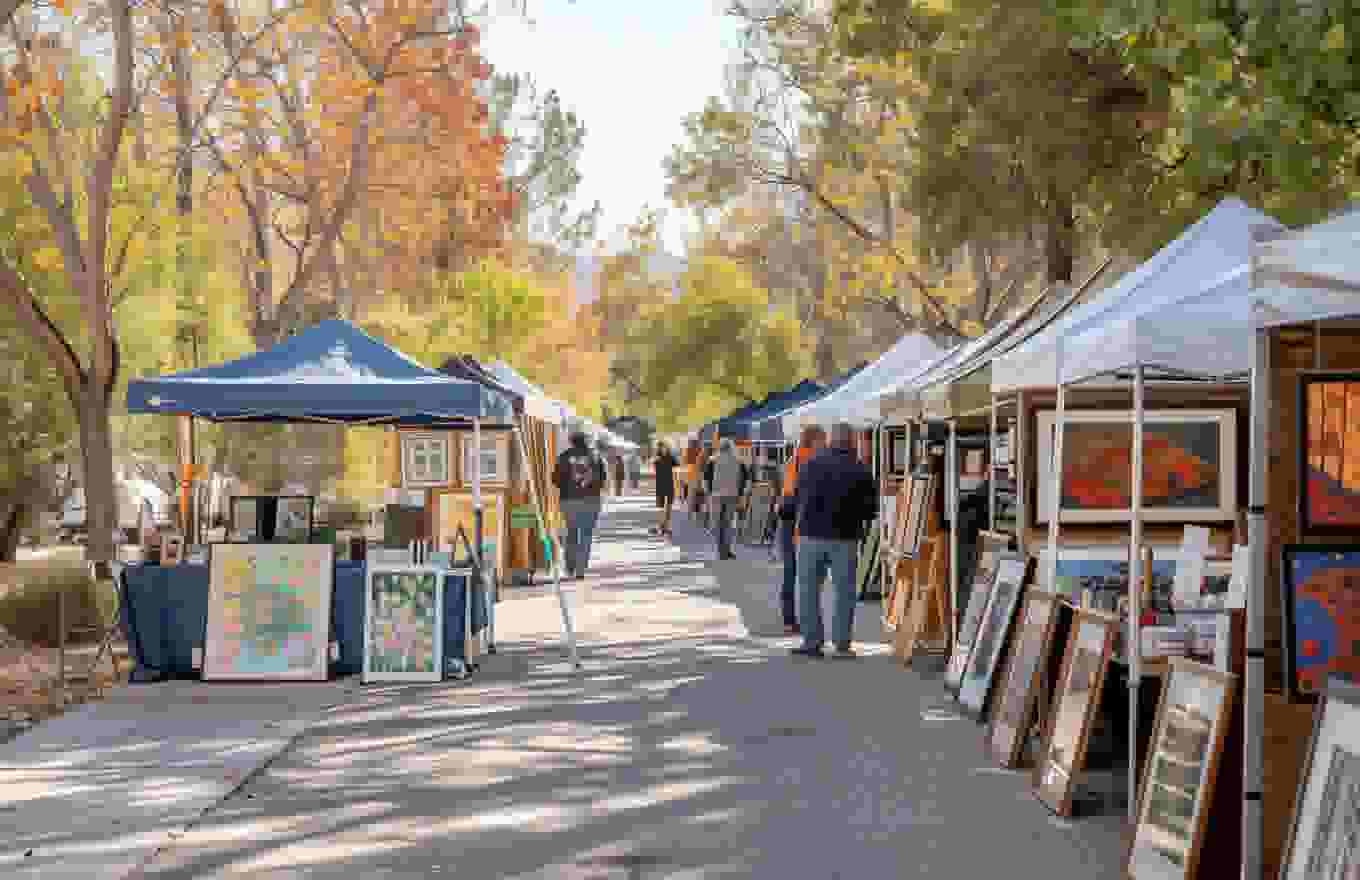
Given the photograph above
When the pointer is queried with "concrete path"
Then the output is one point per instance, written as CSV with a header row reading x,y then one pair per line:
x,y
94,793
691,746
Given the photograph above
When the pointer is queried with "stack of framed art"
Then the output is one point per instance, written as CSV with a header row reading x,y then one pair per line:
x,y
1019,692
404,624
993,545
992,634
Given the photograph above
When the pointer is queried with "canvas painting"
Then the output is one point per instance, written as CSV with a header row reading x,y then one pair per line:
x,y
1189,466
456,509
992,632
1325,838
918,514
269,611
1330,452
404,624
1032,642
1322,616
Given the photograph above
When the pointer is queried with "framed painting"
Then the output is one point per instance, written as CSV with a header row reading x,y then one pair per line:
x,y
1105,569
495,458
293,519
922,497
1178,779
983,577
425,459
403,624
1329,452
245,518
1074,707
1321,616
269,612
454,509
897,452
1019,686
1189,466
1007,585
1324,838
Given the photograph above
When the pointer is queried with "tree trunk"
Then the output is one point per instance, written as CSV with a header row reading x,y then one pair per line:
x,y
12,513
96,450
1060,244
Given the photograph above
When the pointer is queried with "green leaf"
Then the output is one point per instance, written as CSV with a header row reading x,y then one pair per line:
x,y
1335,40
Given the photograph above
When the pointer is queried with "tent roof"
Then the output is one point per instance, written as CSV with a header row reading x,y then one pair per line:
x,y
847,401
330,372
1310,275
1216,244
537,401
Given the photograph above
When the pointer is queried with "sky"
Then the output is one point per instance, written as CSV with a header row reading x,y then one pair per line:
x,y
631,69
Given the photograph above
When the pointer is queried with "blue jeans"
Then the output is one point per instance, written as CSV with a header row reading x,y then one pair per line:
x,y
725,509
581,516
788,548
815,557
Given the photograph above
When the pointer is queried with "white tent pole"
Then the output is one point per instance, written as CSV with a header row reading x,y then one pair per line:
x,y
1253,705
991,468
1018,460
1135,645
567,630
951,463
477,513
1055,513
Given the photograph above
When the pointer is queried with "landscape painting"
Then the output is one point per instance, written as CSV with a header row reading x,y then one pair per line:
x,y
1330,452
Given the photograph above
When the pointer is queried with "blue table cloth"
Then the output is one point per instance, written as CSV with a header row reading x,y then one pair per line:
x,y
165,612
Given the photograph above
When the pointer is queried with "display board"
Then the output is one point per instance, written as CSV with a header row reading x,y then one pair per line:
x,y
1075,703
992,632
269,608
1324,839
1020,685
403,623
1322,616
1189,466
1178,780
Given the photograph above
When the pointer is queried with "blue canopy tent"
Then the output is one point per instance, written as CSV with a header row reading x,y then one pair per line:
x,y
748,427
334,373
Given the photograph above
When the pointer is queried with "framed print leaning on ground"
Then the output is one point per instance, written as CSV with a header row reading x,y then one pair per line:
x,y
1329,452
1179,774
1324,839
992,632
1189,466
991,547
403,623
1015,704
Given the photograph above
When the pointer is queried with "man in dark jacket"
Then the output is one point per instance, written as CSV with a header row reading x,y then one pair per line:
x,y
665,485
837,499
580,477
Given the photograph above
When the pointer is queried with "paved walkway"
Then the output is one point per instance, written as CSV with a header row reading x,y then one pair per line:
x,y
691,746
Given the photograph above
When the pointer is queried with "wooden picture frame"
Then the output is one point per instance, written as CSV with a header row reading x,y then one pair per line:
x,y
426,459
1020,685
495,444
1219,477
1075,702
984,575
420,605
294,518
1320,586
455,508
1008,585
1182,765
897,464
918,514
1325,827
1329,453
244,518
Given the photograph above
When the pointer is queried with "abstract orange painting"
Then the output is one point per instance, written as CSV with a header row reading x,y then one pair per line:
x,y
1330,452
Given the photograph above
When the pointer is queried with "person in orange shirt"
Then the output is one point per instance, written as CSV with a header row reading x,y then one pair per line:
x,y
812,440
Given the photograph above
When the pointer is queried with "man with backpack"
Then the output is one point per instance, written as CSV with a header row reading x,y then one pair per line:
x,y
579,477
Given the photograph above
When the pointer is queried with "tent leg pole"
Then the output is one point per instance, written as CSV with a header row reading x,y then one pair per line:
x,y
1055,507
1253,706
1017,459
951,463
568,631
991,468
478,520
1135,645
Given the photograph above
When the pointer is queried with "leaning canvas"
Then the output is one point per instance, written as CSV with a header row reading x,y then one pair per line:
x,y
403,624
269,608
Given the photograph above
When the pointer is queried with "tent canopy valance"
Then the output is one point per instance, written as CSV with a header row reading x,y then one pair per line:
x,y
333,372
536,401
1310,275
846,402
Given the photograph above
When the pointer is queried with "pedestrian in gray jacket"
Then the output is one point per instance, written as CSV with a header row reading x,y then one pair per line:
x,y
728,482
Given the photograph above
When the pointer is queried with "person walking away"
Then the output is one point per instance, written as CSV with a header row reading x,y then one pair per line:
x,y
618,475
728,483
665,465
812,441
836,500
580,478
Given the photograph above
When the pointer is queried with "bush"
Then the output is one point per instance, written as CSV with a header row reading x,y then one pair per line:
x,y
28,610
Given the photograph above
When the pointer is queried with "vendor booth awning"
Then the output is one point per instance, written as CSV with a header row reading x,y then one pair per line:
x,y
848,402
1311,275
331,372
536,400
1211,248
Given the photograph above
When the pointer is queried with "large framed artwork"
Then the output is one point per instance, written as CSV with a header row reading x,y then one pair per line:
x,y
425,458
1007,586
1324,839
1074,706
454,509
922,497
1321,616
403,624
1179,776
1015,706
1329,452
269,612
1105,569
983,577
1189,466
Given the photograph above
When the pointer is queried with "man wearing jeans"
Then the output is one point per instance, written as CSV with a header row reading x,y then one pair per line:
x,y
837,499
727,481
580,477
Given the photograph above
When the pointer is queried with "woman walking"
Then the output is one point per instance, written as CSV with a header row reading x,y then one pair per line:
x,y
812,440
665,464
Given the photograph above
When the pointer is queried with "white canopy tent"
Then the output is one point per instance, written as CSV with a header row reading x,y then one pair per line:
x,y
848,402
548,409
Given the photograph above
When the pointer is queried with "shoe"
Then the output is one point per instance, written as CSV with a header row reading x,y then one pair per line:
x,y
791,629
805,651
846,653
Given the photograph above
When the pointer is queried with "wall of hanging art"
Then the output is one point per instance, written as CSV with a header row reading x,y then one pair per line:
x,y
1322,616
403,624
1329,452
1189,466
269,609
